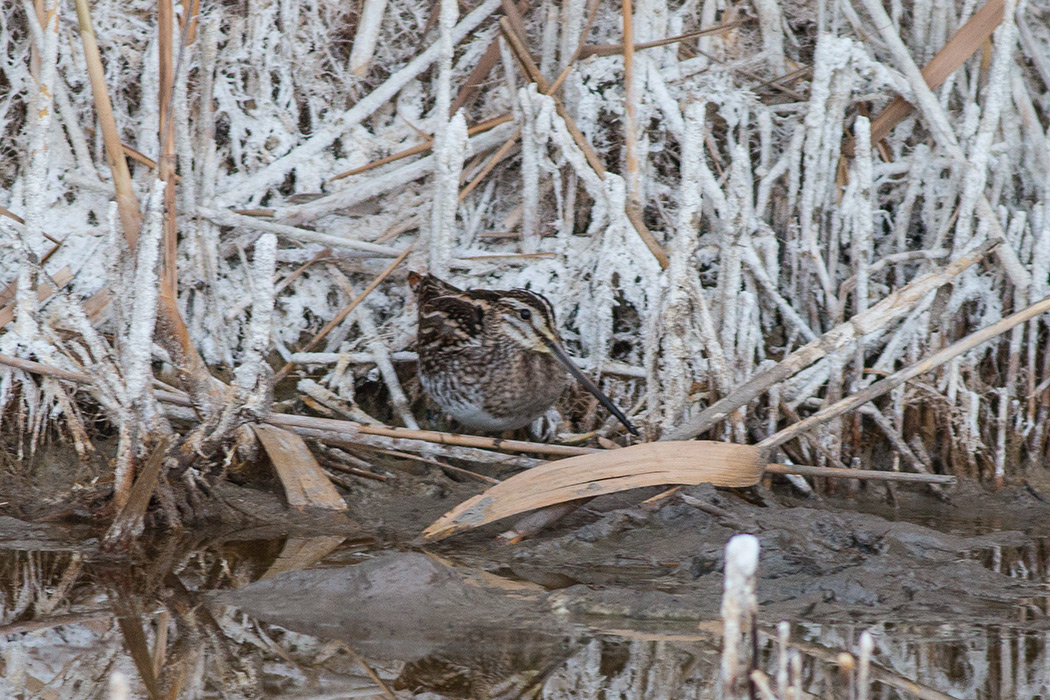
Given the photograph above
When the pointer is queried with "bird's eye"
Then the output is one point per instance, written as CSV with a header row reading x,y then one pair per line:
x,y
525,314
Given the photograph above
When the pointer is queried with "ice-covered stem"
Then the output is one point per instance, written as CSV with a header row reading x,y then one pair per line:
x,y
36,176
739,610
863,227
303,154
449,151
686,299
783,634
867,647
530,170
138,350
366,37
127,202
253,367
446,26
770,23
996,92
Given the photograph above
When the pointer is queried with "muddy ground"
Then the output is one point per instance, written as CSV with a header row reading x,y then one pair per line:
x,y
618,568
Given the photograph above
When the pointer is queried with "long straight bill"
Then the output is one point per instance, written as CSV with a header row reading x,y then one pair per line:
x,y
590,386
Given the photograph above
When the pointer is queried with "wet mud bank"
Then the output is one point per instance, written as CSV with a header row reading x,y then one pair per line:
x,y
622,582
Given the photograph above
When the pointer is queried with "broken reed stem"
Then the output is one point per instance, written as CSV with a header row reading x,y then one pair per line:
x,y
346,311
129,522
897,378
860,474
739,612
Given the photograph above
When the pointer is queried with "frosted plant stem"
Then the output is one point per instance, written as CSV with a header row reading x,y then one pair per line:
x,y
862,248
448,153
770,23
256,184
530,170
630,126
572,15
252,369
996,94
37,190
138,349
783,635
225,217
366,188
449,12
739,610
867,647
386,368
367,36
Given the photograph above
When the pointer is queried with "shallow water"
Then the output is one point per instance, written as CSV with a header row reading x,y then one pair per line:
x,y
610,619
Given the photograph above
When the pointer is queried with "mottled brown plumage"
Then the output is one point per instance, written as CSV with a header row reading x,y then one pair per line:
x,y
493,360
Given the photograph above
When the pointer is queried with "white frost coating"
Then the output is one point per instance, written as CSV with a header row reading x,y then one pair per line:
x,y
996,93
832,82
667,104
867,648
263,293
366,37
770,22
863,227
303,153
739,609
685,299
549,40
138,350
448,154
530,170
360,190
36,176
572,15
446,26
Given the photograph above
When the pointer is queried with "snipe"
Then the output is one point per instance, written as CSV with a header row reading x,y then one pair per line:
x,y
491,359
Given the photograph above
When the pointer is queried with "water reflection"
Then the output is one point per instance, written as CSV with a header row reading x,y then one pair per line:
x,y
346,629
